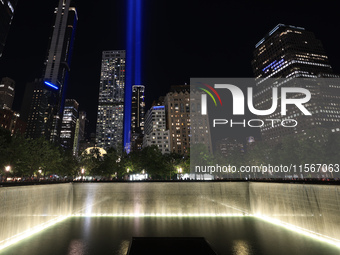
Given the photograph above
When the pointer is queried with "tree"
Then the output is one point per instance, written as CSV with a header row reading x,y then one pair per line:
x,y
5,140
153,162
90,162
111,164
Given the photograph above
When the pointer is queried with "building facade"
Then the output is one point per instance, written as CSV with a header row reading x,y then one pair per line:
x,y
137,117
58,61
44,99
36,110
11,121
7,92
155,129
83,125
228,146
7,8
290,56
69,124
110,115
177,107
81,132
199,124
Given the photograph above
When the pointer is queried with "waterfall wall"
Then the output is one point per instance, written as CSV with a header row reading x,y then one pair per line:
x,y
312,207
178,198
26,208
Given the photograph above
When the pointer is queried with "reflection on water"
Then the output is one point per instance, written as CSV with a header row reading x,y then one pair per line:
x,y
112,235
123,247
77,247
241,247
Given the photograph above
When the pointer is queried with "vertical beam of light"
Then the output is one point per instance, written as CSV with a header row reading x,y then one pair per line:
x,y
138,41
133,62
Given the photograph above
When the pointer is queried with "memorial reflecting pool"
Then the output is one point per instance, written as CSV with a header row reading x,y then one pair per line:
x,y
235,218
112,235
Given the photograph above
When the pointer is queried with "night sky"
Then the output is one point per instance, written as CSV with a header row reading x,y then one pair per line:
x,y
182,39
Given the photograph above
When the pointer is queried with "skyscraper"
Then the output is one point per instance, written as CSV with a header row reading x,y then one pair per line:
x,y
58,61
198,126
11,121
80,133
177,106
137,117
289,52
7,92
68,125
44,99
109,130
155,129
7,8
83,124
35,110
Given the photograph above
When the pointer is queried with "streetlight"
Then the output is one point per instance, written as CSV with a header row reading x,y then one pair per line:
x,y
7,169
179,173
39,171
82,174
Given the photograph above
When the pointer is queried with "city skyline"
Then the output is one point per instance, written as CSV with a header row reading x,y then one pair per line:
x,y
188,44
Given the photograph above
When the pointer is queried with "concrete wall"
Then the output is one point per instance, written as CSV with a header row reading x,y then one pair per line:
x,y
28,207
313,207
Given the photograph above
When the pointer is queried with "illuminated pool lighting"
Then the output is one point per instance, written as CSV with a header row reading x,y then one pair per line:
x,y
161,215
18,237
300,230
323,238
51,85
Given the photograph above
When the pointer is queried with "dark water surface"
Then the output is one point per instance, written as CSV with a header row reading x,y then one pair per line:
x,y
112,235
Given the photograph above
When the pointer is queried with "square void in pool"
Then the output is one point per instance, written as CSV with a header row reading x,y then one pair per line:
x,y
170,245
113,235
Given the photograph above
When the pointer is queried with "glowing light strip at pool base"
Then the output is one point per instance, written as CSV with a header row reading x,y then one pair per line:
x,y
303,231
161,215
30,232
320,237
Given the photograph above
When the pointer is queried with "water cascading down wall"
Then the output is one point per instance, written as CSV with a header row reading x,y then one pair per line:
x,y
310,209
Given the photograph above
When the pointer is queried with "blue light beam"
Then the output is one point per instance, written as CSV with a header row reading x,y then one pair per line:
x,y
133,62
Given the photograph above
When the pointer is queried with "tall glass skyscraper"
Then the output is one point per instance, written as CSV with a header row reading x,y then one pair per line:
x,y
288,52
6,16
110,118
137,117
44,99
68,125
58,61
